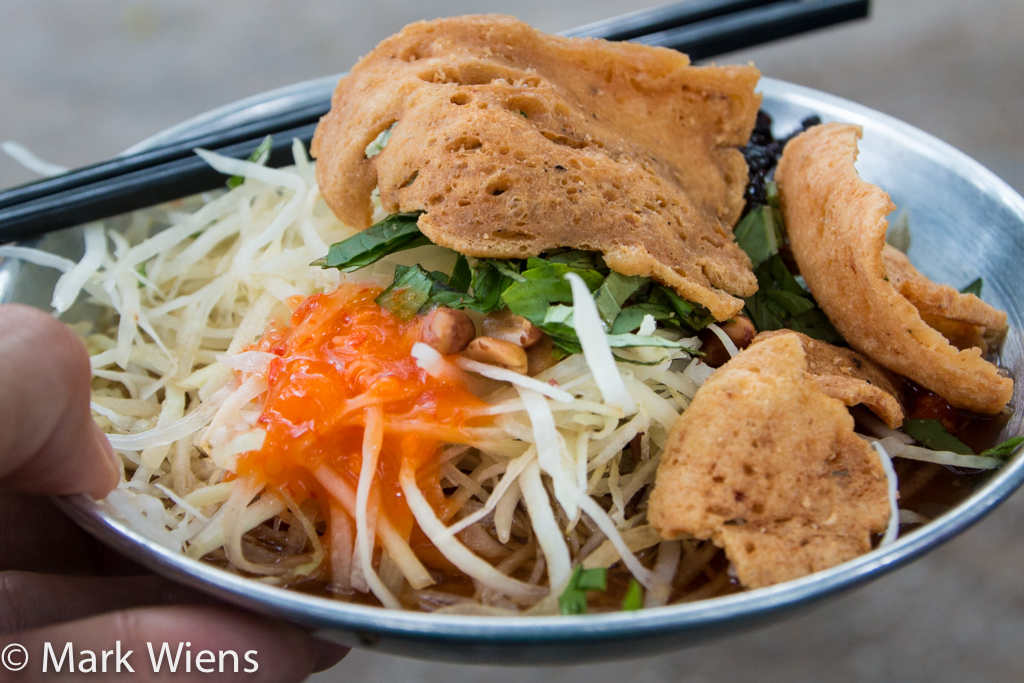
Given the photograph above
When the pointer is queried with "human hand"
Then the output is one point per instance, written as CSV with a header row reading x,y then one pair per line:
x,y
57,584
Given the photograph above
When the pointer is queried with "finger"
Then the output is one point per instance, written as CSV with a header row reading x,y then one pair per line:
x,y
29,600
36,536
48,441
279,652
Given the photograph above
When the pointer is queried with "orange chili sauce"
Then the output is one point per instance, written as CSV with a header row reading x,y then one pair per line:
x,y
342,354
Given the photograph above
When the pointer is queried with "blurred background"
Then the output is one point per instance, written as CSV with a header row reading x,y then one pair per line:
x,y
80,82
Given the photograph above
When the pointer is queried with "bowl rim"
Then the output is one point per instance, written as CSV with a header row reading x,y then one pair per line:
x,y
335,615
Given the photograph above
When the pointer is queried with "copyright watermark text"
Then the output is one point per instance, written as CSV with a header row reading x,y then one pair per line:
x,y
158,658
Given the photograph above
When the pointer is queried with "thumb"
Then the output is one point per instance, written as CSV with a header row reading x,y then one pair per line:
x,y
49,443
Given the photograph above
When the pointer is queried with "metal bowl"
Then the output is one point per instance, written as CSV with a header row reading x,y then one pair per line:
x,y
966,222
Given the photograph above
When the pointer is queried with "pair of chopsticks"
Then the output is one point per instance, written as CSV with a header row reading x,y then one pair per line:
x,y
701,28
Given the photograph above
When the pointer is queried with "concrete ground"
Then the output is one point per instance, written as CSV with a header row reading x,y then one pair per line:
x,y
81,81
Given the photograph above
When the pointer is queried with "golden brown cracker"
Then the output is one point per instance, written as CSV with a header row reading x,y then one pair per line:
x,y
837,224
768,466
514,142
850,377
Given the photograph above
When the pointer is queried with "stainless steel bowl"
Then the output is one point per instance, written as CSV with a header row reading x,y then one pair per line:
x,y
966,223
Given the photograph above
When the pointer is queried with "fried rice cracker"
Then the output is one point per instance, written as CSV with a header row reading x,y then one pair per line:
x,y
876,300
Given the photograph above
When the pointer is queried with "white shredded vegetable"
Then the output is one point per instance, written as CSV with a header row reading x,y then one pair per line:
x,y
892,486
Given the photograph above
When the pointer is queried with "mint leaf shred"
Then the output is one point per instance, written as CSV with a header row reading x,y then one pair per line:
x,y
1005,449
760,234
390,235
408,293
934,435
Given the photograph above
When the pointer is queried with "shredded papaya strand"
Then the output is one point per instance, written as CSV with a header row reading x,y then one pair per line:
x,y
342,357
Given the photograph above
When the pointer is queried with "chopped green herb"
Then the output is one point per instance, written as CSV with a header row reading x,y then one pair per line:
x,y
692,317
535,288
932,434
488,284
781,302
630,318
973,288
258,156
771,189
408,293
545,285
379,142
759,234
614,292
462,275
1005,449
395,233
577,258
573,599
634,598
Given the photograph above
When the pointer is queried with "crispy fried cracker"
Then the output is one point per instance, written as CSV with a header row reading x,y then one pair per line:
x,y
514,142
836,224
850,377
767,466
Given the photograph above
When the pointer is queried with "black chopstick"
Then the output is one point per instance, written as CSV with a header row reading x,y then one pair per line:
x,y
120,166
135,190
702,28
738,30
655,19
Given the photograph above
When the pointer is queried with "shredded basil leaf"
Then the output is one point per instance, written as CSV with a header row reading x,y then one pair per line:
x,y
614,292
759,234
692,317
542,287
634,598
631,317
408,293
395,233
1005,449
973,288
462,275
932,434
577,258
573,599
781,302
535,289
258,156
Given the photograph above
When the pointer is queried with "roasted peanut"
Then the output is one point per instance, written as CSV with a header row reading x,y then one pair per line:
x,y
447,330
740,330
497,352
508,326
